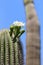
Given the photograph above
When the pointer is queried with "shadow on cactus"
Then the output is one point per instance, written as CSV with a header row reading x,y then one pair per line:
x,y
11,51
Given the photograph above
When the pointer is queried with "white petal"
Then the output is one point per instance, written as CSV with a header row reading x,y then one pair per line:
x,y
17,23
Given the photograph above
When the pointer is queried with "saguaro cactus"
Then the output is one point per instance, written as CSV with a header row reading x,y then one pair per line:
x,y
15,34
32,34
6,49
11,52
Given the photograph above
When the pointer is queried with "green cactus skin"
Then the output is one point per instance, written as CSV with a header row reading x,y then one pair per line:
x,y
2,48
6,49
10,51
18,53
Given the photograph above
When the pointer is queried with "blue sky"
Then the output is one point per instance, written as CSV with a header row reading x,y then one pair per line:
x,y
12,10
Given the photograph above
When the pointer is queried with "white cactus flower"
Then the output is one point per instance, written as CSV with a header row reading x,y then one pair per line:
x,y
17,23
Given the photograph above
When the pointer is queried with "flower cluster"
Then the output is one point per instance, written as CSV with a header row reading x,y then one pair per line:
x,y
17,23
16,29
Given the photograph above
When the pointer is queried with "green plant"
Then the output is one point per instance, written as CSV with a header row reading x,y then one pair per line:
x,y
6,49
11,52
15,33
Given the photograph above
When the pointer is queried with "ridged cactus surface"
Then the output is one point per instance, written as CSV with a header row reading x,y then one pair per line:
x,y
6,49
10,52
